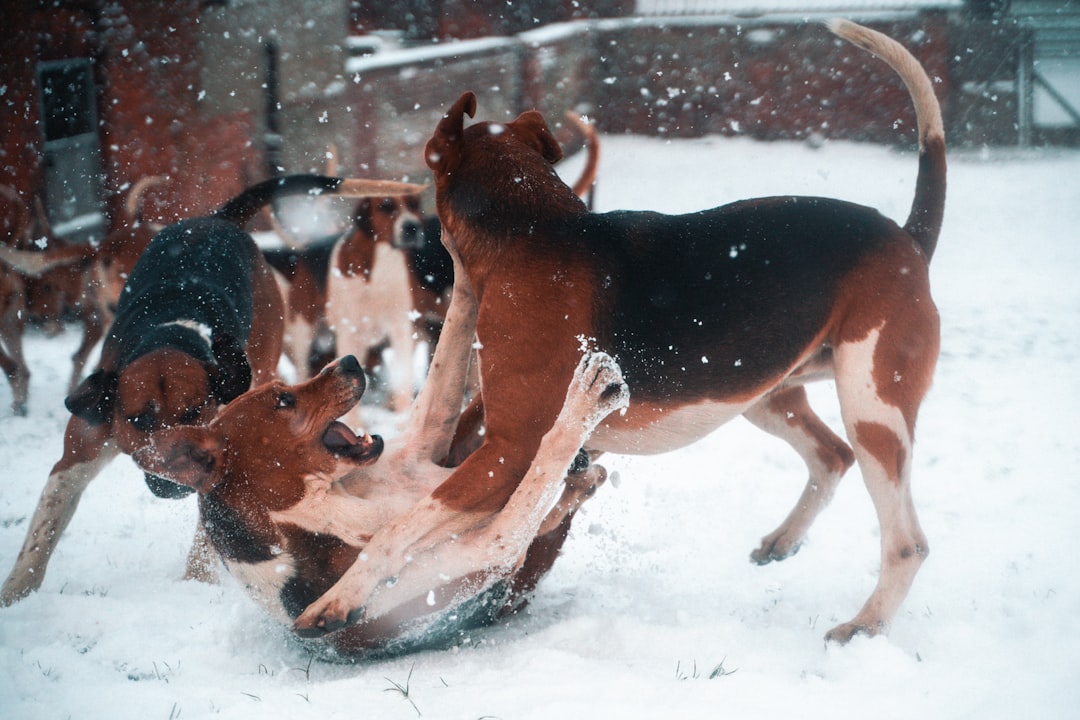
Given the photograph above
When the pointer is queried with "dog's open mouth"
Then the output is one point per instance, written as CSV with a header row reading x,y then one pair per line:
x,y
343,442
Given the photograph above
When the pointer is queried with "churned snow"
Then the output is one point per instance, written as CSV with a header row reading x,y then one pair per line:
x,y
654,610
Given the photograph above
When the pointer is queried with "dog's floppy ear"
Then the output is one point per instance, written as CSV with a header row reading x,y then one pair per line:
x,y
188,455
230,375
443,150
94,398
532,129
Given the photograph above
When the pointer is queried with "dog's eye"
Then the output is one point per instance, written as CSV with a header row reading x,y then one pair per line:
x,y
285,400
387,206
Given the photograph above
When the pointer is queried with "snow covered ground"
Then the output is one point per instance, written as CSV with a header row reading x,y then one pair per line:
x,y
654,610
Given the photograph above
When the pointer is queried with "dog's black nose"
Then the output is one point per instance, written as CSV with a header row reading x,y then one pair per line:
x,y
166,489
412,235
350,364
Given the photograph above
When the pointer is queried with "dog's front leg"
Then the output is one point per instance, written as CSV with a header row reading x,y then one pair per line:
x,y
437,408
435,548
87,449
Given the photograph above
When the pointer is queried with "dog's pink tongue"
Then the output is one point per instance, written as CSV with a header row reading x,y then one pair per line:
x,y
339,437
340,440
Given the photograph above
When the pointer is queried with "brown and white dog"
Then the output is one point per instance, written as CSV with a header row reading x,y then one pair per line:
x,y
84,278
199,319
711,315
17,221
289,496
383,283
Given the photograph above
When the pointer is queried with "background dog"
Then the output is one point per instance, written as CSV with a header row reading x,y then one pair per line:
x,y
711,315
62,279
199,319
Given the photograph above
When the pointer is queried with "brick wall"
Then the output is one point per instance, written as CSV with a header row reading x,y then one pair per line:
x,y
181,86
766,79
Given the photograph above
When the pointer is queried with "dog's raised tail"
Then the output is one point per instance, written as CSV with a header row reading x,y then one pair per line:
x,y
928,207
244,206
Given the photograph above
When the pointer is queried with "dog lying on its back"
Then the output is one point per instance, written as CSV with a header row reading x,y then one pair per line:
x,y
711,315
199,319
290,496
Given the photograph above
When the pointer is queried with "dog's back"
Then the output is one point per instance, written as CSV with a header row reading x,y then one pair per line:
x,y
197,271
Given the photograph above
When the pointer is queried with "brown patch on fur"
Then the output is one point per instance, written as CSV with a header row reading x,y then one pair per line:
x,y
357,256
265,341
890,292
881,442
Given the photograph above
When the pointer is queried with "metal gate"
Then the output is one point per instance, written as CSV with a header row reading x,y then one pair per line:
x,y
1050,72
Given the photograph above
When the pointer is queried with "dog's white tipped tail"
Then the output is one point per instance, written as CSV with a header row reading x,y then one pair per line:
x,y
906,66
928,208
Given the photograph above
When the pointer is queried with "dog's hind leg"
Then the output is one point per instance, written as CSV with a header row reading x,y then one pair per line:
x,y
881,380
86,451
786,414
547,545
12,361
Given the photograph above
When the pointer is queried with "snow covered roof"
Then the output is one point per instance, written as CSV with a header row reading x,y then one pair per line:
x,y
760,7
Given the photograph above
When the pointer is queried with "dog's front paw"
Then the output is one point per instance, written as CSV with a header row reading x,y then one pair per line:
x,y
326,615
843,634
775,548
599,380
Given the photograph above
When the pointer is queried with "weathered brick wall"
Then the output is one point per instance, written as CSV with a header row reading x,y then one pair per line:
x,y
766,79
396,101
181,86
399,102
147,98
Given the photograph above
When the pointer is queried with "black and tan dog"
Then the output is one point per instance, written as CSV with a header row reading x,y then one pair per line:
x,y
199,319
711,315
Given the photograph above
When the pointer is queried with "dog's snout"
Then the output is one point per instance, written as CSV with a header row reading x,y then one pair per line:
x,y
167,489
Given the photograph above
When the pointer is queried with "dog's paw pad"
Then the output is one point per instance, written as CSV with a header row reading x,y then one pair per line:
x,y
600,376
774,552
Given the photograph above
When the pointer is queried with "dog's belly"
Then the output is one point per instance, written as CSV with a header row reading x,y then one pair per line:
x,y
264,582
649,429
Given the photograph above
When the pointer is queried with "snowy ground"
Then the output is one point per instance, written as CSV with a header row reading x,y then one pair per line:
x,y
654,609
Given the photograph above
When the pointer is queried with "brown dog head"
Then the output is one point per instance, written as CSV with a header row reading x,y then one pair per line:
x,y
161,388
445,149
501,173
393,219
264,453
